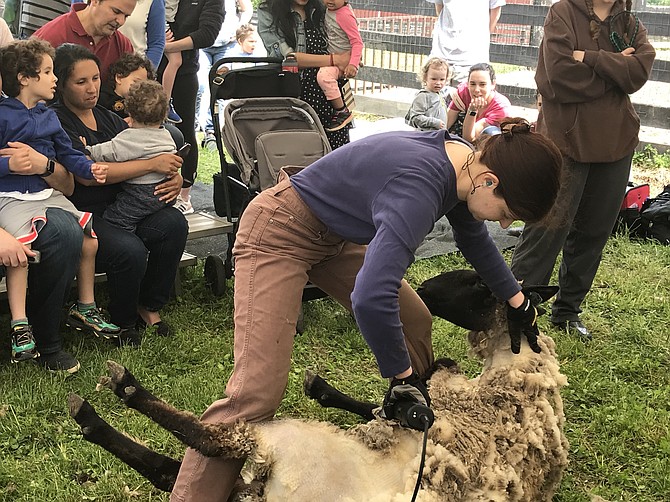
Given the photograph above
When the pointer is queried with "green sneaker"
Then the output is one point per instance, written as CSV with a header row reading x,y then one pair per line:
x,y
23,343
91,320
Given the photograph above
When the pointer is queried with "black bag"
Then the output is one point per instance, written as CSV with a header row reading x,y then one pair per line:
x,y
654,221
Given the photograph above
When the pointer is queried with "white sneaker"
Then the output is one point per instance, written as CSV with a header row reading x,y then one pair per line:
x,y
184,206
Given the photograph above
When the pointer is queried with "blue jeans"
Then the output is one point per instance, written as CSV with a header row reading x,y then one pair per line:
x,y
140,266
49,281
206,58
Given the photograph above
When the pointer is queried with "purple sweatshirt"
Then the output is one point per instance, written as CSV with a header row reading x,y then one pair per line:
x,y
387,191
39,128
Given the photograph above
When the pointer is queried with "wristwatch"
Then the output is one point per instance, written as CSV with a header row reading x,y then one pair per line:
x,y
472,113
51,167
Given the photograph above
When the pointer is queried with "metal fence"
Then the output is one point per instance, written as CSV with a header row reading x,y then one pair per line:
x,y
398,38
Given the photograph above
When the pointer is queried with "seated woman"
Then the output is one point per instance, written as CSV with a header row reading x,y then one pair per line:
x,y
296,27
484,107
141,265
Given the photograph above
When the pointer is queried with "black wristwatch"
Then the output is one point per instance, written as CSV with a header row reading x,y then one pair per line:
x,y
51,167
473,113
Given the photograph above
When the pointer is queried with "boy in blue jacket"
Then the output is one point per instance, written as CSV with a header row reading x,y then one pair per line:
x,y
34,135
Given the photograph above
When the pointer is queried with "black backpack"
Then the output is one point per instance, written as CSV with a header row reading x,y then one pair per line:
x,y
654,220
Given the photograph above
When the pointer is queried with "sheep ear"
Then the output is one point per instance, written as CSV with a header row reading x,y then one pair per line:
x,y
540,294
460,297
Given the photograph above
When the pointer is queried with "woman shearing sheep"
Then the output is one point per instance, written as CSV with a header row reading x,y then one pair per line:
x,y
350,224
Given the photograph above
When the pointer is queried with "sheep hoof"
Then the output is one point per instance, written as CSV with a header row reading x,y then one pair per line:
x,y
116,371
83,413
313,385
105,382
74,404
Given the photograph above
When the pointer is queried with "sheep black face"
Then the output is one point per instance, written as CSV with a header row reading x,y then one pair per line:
x,y
462,297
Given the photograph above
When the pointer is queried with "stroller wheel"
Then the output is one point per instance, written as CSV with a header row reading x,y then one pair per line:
x,y
215,275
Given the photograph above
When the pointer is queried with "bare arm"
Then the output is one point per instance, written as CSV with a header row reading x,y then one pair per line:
x,y
172,45
166,163
61,179
494,15
452,115
305,60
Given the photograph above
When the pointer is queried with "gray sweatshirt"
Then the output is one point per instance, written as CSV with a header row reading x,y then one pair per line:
x,y
135,144
427,111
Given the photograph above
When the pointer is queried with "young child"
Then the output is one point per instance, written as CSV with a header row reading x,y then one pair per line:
x,y
146,105
429,108
128,69
173,60
343,36
28,80
247,42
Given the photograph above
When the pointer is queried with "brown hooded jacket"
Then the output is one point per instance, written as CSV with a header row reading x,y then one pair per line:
x,y
586,110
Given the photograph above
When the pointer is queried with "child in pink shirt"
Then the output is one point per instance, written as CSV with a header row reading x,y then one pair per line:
x,y
343,36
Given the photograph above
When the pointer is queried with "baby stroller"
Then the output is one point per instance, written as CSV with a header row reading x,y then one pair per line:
x,y
265,128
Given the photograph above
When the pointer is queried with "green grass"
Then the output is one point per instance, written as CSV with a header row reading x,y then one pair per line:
x,y
617,403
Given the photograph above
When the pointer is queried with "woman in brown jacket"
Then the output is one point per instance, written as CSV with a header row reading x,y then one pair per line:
x,y
593,55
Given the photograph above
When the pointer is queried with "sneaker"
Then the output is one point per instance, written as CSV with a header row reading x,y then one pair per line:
x,y
23,343
574,328
339,120
184,206
91,320
172,115
59,361
162,328
128,336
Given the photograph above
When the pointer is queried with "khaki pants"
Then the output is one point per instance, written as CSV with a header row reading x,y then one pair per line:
x,y
279,246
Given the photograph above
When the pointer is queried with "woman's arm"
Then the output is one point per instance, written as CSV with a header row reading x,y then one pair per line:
x,y
559,76
629,69
209,25
156,32
61,179
452,116
167,164
340,60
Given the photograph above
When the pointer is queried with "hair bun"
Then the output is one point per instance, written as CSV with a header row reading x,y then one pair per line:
x,y
515,125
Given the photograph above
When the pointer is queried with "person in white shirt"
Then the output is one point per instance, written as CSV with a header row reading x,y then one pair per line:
x,y
462,33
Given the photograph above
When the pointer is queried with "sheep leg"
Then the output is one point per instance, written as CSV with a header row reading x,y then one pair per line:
x,y
159,469
329,397
212,440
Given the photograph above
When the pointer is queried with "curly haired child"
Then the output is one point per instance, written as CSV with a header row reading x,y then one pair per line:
x,y
429,108
25,192
124,72
147,106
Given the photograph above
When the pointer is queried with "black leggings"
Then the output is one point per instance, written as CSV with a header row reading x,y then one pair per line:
x,y
183,98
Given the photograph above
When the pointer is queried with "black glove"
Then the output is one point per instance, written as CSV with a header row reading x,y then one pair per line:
x,y
523,319
410,389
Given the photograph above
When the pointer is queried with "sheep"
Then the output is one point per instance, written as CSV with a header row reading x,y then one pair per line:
x,y
496,437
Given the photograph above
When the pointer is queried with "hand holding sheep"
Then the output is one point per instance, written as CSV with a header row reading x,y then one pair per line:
x,y
523,320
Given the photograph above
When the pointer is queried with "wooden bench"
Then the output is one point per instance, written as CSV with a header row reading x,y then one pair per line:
x,y
200,225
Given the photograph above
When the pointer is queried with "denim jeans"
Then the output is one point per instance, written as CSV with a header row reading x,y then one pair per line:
x,y
206,58
49,281
140,266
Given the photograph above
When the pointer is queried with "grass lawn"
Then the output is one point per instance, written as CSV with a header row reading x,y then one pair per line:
x,y
617,403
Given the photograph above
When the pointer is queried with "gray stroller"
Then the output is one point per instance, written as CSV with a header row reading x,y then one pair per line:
x,y
261,135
